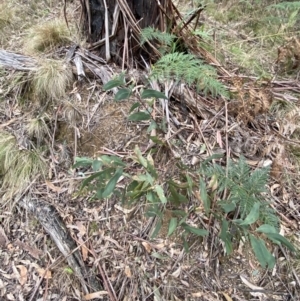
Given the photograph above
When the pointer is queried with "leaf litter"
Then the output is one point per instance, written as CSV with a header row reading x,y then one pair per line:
x,y
114,240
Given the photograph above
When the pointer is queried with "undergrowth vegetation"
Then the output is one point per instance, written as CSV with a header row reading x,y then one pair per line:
x,y
18,165
229,199
234,196
44,37
51,80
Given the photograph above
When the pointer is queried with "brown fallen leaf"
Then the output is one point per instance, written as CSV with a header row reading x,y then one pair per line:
x,y
53,187
128,271
95,295
46,274
147,246
226,296
34,252
23,274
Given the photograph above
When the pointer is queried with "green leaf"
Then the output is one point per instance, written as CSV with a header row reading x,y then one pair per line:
x,y
228,207
96,175
123,94
160,192
185,245
153,125
175,197
253,216
263,255
226,237
139,116
82,162
266,229
96,165
134,106
172,225
148,93
112,183
114,83
157,228
112,160
204,196
156,140
194,230
281,239
190,184
144,178
140,157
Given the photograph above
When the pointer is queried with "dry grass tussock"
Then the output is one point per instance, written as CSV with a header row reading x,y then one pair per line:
x,y
51,80
37,128
46,36
7,20
18,166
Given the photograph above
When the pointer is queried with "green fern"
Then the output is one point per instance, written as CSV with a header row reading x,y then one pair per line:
x,y
286,5
245,189
150,33
186,67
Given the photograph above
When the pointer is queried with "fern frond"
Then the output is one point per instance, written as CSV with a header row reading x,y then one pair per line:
x,y
186,67
286,5
150,33
244,186
268,216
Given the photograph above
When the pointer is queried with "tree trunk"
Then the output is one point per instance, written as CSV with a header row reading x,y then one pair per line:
x,y
114,26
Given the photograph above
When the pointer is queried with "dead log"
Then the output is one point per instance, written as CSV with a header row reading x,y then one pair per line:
x,y
11,60
55,227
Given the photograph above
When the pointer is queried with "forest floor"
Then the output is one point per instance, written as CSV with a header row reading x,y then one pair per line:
x,y
40,140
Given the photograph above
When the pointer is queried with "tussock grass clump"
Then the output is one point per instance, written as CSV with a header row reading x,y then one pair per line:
x,y
44,37
37,128
7,21
51,80
7,14
17,166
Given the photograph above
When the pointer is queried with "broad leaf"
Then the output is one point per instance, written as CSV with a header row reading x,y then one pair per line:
x,y
253,216
123,94
156,140
263,255
134,106
140,157
112,160
82,162
139,116
99,175
204,196
144,178
266,229
157,228
160,192
226,237
96,165
148,93
279,238
176,198
153,125
172,225
194,230
228,207
112,183
114,83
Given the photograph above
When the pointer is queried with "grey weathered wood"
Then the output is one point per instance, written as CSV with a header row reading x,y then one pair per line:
x,y
17,61
55,227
